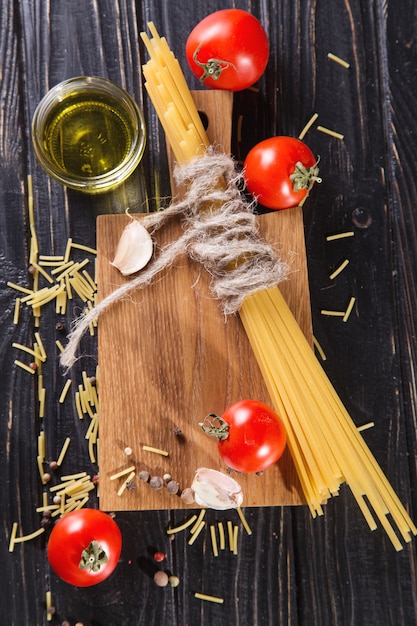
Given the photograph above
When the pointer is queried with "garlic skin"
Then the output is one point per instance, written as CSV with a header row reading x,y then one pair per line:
x,y
134,249
215,490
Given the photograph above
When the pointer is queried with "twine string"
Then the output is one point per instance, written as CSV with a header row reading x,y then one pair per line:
x,y
220,232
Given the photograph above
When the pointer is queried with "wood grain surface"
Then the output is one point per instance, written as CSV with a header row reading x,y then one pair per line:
x,y
175,359
293,569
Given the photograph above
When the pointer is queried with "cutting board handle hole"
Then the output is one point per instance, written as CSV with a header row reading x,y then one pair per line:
x,y
204,119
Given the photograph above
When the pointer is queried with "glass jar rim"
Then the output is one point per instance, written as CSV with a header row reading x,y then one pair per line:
x,y
122,170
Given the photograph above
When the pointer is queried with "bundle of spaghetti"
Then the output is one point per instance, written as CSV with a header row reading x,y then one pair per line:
x,y
326,446
172,99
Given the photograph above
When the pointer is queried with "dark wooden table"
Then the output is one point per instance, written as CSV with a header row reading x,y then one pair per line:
x,y
293,569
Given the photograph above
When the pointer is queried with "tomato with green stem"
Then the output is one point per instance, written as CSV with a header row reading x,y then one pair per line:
x,y
280,172
228,49
84,547
251,436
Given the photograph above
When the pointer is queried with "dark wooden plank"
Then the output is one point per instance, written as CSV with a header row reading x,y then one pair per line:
x,y
25,568
293,569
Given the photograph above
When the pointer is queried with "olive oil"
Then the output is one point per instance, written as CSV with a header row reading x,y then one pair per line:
x,y
88,136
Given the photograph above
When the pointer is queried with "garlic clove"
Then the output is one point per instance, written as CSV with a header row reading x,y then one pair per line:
x,y
134,249
216,490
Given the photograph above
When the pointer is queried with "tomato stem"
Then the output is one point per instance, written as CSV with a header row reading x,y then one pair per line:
x,y
215,426
93,557
212,68
304,177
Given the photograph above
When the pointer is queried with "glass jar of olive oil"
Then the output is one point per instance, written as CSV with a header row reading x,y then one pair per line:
x,y
88,134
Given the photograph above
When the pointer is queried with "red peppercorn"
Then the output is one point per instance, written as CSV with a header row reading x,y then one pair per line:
x,y
159,556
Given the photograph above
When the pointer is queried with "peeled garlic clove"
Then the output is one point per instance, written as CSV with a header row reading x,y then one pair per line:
x,y
134,249
215,490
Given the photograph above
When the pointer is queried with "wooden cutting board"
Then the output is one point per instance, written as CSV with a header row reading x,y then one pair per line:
x,y
168,357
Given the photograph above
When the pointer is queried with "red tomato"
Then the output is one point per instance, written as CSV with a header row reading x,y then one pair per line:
x,y
280,172
251,435
87,530
228,49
